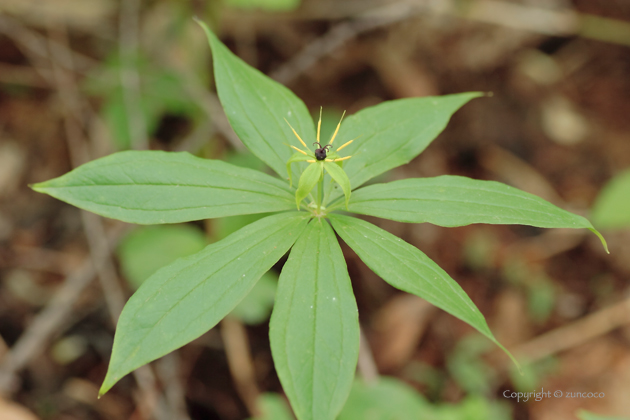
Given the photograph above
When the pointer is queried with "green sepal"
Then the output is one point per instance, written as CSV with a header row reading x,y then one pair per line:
x,y
297,157
332,155
340,177
308,180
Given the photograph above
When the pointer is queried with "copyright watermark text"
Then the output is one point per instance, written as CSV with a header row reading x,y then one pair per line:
x,y
539,395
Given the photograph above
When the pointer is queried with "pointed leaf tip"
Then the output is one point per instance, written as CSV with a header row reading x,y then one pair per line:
x,y
601,238
257,105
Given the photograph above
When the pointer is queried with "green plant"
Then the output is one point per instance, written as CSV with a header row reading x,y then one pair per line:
x,y
587,415
612,206
269,5
162,92
391,399
314,328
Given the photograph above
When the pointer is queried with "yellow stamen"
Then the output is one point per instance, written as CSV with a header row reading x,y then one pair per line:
x,y
344,145
296,134
299,150
319,123
339,159
337,129
311,161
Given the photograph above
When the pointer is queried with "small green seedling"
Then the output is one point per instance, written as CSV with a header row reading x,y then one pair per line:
x,y
314,327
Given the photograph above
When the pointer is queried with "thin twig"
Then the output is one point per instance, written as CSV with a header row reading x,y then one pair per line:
x,y
71,106
367,365
240,362
45,324
200,136
211,105
22,75
35,46
565,22
39,259
169,371
50,319
341,34
576,333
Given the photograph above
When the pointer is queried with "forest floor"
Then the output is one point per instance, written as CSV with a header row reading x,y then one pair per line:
x,y
556,125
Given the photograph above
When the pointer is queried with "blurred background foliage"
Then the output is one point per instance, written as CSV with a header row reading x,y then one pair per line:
x,y
80,79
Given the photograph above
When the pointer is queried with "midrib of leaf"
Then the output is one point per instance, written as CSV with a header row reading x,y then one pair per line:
x,y
315,324
344,338
503,206
167,185
427,188
315,308
315,341
210,171
179,207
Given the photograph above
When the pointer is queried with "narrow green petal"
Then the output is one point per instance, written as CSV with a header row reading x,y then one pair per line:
x,y
307,182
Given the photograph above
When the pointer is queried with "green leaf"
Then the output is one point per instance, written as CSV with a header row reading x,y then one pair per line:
x,y
474,407
314,327
297,157
185,299
612,206
406,268
149,248
308,180
387,399
587,415
256,107
150,187
393,133
271,5
467,367
340,177
273,407
458,201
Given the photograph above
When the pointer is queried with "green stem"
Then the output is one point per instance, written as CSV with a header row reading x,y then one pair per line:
x,y
320,193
